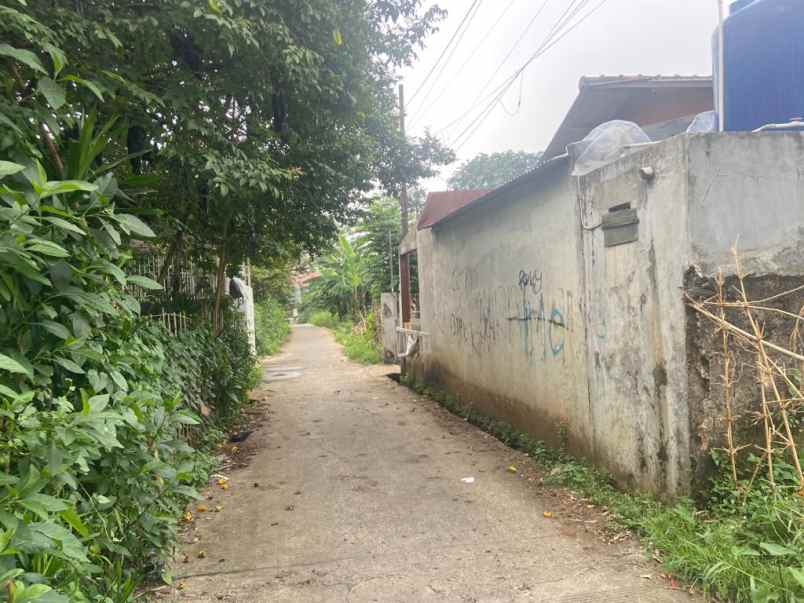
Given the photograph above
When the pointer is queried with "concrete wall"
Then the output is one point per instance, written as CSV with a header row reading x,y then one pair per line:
x,y
636,315
534,319
501,301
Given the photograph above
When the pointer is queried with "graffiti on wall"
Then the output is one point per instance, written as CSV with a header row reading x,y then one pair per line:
x,y
521,314
549,319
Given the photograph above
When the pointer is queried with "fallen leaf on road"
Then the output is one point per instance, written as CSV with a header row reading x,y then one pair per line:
x,y
218,509
201,509
224,486
646,576
548,514
181,586
512,469
468,480
202,554
188,516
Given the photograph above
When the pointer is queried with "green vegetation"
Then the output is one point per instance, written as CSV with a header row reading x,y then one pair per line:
x,y
493,170
359,341
192,126
353,275
741,544
94,399
272,326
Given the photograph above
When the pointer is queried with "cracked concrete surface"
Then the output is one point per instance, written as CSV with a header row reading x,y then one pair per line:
x,y
354,494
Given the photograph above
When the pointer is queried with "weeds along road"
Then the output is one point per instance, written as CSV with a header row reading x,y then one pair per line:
x,y
355,490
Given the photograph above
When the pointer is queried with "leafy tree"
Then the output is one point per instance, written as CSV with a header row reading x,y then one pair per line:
x,y
379,233
253,123
343,285
493,170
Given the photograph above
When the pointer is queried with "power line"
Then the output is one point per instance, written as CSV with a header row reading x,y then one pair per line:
x,y
445,64
497,70
466,135
549,41
481,118
570,11
485,38
446,48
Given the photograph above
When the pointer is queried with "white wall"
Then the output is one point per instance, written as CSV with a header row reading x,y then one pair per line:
x,y
532,318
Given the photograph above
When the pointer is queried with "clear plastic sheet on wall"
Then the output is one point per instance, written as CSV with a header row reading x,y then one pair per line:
x,y
606,143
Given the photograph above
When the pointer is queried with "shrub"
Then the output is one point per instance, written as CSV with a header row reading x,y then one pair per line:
x,y
93,401
272,325
324,318
360,341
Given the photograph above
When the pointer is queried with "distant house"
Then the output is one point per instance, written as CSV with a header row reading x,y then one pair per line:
x,y
557,302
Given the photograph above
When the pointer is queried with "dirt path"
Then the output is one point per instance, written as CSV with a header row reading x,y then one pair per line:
x,y
354,493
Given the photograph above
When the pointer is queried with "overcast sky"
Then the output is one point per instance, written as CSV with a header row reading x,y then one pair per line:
x,y
623,37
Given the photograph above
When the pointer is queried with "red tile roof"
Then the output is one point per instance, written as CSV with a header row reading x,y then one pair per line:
x,y
441,204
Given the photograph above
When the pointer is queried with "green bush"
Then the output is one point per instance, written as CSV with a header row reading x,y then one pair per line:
x,y
359,346
272,326
359,341
94,401
324,318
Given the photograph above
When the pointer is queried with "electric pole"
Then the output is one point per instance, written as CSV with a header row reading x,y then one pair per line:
x,y
404,262
403,194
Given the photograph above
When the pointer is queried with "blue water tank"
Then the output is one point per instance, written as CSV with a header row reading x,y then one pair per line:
x,y
764,63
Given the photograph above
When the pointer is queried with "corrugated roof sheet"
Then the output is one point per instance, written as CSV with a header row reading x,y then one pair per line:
x,y
441,204
642,99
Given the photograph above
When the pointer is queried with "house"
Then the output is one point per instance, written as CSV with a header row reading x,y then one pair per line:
x,y
557,302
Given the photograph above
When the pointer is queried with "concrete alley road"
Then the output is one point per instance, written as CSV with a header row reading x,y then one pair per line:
x,y
354,493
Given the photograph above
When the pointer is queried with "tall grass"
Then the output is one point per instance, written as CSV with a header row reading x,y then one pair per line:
x,y
359,341
272,326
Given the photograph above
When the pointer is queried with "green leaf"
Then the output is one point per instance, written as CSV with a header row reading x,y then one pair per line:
x,y
64,225
145,283
49,596
56,329
93,87
8,392
48,248
43,505
57,56
776,550
98,403
53,93
12,366
35,593
798,574
135,225
59,187
23,56
7,122
7,168
69,365
72,517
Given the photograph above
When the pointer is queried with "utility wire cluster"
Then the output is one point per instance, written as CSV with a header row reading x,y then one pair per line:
x,y
469,122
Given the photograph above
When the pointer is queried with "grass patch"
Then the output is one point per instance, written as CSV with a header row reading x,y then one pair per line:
x,y
272,326
359,341
742,544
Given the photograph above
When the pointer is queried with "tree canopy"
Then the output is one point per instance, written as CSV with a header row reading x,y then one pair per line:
x,y
493,170
235,128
